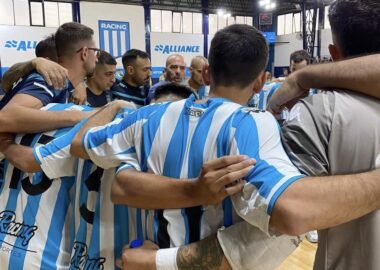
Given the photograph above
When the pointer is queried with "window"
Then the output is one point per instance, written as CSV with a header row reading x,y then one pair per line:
x,y
176,22
327,22
218,22
37,13
187,19
22,12
288,23
166,21
65,12
197,23
51,14
6,12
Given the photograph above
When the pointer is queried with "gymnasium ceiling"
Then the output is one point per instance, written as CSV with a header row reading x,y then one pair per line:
x,y
235,7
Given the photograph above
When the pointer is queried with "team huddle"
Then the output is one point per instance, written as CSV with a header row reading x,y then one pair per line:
x,y
205,181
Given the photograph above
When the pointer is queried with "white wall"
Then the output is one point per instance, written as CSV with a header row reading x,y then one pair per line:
x,y
282,51
17,43
92,12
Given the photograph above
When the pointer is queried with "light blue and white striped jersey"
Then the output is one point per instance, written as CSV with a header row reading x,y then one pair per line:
x,y
175,139
99,229
34,214
260,101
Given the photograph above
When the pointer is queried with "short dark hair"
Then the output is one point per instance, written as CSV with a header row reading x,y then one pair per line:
x,y
46,48
238,54
356,26
131,56
69,35
299,56
172,89
106,59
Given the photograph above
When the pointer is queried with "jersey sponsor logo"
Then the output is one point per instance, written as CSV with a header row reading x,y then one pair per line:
x,y
114,37
81,260
166,49
9,226
195,112
21,45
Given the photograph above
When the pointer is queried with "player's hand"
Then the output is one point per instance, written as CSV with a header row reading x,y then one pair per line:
x,y
79,94
221,178
141,258
54,74
287,95
122,104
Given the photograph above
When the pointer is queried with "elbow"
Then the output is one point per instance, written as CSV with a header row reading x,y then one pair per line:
x,y
120,193
288,219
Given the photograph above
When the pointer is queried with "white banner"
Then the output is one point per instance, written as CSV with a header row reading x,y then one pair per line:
x,y
165,44
18,43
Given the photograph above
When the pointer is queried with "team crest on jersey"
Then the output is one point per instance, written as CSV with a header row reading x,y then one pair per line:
x,y
196,112
9,226
81,260
251,110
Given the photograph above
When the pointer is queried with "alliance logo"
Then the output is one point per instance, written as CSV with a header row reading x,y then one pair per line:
x,y
81,260
20,230
21,45
167,49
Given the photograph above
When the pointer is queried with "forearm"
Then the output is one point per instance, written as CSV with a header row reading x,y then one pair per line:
x,y
16,72
20,119
100,118
321,202
22,158
204,254
357,74
144,190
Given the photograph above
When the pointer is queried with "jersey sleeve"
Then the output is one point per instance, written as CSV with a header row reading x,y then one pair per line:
x,y
257,135
55,158
306,131
110,145
36,86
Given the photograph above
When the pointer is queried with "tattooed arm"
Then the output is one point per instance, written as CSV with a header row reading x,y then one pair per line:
x,y
202,255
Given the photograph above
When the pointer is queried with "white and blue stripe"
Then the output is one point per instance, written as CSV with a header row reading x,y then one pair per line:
x,y
176,137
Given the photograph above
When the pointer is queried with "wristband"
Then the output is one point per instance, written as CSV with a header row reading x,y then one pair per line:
x,y
166,259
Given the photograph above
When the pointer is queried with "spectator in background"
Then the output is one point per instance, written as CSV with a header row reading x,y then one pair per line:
x,y
195,81
299,59
99,84
20,106
137,71
174,72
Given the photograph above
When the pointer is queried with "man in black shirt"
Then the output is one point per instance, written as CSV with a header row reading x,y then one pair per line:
x,y
99,84
134,86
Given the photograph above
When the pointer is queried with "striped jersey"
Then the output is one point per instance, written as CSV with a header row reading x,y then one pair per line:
x,y
34,214
35,85
99,229
137,95
175,139
261,100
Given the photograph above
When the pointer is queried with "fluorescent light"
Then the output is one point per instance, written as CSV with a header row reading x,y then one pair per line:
x,y
220,12
264,2
227,15
273,5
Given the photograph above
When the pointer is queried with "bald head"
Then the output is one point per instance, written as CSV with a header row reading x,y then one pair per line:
x,y
197,64
175,68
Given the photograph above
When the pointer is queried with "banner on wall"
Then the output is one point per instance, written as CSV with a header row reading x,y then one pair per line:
x,y
114,37
165,44
18,43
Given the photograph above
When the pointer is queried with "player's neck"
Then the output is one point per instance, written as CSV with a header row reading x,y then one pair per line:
x,y
233,93
76,73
